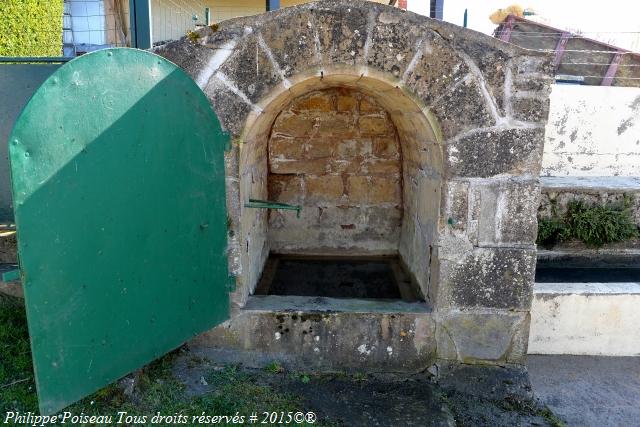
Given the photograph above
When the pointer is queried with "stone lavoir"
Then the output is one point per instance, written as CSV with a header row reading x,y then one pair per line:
x,y
413,147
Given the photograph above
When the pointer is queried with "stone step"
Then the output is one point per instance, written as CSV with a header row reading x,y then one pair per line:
x,y
13,288
8,247
585,319
591,183
325,334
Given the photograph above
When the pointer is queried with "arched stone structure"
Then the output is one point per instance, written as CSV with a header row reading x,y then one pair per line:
x,y
469,112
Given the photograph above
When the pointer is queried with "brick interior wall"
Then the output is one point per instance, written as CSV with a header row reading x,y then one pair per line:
x,y
336,153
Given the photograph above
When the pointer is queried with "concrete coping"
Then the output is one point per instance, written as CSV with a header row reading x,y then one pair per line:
x,y
621,288
325,304
593,183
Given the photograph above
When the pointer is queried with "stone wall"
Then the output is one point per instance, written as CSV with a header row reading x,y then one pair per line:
x,y
469,112
336,153
592,131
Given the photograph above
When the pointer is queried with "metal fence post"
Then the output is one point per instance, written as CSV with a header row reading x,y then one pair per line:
x,y
140,21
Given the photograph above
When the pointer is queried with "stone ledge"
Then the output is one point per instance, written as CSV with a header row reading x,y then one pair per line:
x,y
301,333
585,319
8,247
332,305
487,336
590,183
579,257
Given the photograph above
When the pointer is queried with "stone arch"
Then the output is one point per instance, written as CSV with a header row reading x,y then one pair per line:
x,y
481,104
422,166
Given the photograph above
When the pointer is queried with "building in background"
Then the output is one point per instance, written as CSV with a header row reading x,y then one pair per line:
x,y
577,58
95,24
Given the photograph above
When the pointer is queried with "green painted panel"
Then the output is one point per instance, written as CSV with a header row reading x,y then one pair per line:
x,y
118,184
18,82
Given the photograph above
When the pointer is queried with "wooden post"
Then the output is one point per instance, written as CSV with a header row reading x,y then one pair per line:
x,y
612,70
507,27
560,47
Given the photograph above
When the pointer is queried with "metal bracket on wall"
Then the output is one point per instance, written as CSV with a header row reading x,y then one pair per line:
x,y
266,204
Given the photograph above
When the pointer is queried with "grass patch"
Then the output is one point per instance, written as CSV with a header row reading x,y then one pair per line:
x,y
594,225
274,368
157,390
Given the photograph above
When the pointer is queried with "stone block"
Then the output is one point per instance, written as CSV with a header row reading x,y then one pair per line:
x,y
317,148
506,211
483,336
323,189
428,200
8,248
463,108
456,209
339,124
346,103
317,101
325,334
530,109
539,65
496,152
358,189
342,32
250,70
347,149
386,148
435,71
285,188
368,106
500,278
374,125
393,42
292,41
231,110
294,125
348,166
372,189
492,64
286,148
383,166
316,166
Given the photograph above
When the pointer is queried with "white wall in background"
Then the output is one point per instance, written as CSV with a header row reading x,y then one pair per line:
x,y
592,131
585,318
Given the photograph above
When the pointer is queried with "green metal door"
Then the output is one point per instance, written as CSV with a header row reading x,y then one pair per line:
x,y
118,184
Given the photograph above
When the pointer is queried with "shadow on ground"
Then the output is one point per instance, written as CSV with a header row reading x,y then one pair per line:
x,y
184,383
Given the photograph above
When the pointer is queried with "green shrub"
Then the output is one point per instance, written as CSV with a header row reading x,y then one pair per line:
x,y
593,225
551,231
597,225
31,27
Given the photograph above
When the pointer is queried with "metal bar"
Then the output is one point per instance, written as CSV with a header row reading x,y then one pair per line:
x,y
132,23
207,16
46,59
267,204
505,34
437,11
612,70
273,5
560,47
140,13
